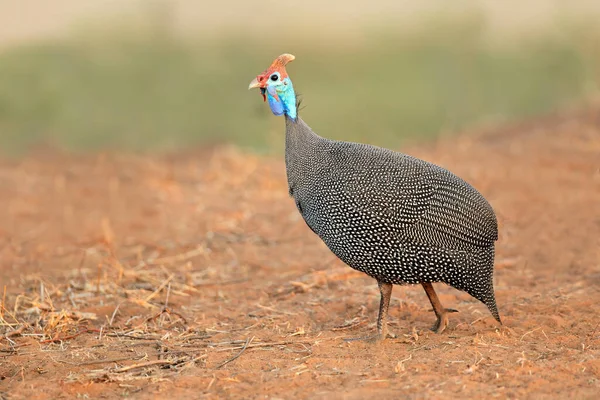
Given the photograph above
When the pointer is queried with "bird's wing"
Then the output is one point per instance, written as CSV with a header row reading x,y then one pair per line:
x,y
416,199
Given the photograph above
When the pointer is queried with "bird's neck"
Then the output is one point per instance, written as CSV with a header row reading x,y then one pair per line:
x,y
282,99
301,151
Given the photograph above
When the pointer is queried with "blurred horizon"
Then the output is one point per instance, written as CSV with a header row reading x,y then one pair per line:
x,y
27,21
167,74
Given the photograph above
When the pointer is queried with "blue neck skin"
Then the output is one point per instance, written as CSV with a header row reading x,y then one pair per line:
x,y
282,99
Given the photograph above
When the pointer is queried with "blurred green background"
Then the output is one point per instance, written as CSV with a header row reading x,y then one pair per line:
x,y
162,75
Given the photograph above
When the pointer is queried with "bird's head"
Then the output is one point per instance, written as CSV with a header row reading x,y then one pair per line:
x,y
275,85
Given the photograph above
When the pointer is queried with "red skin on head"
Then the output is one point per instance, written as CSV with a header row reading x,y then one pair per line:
x,y
276,66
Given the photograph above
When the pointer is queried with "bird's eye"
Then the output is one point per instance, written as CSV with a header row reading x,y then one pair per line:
x,y
274,77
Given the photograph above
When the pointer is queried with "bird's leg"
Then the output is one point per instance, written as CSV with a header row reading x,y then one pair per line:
x,y
440,312
382,329
384,304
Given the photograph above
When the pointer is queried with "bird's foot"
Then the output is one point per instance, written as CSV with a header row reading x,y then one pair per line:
x,y
376,338
442,320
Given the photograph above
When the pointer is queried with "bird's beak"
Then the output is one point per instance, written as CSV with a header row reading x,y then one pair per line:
x,y
254,84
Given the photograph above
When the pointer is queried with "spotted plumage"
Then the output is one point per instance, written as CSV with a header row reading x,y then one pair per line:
x,y
396,218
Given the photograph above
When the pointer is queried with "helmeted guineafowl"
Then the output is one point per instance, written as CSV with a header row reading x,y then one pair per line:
x,y
396,218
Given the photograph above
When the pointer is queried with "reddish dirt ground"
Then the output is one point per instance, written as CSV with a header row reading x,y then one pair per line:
x,y
193,276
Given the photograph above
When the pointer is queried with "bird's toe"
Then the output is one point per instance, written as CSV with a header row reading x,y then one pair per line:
x,y
441,323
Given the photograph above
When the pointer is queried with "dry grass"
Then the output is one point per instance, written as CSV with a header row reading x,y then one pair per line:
x,y
160,342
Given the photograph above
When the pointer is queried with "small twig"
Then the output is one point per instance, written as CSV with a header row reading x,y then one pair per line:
x,y
200,357
112,317
213,283
282,343
146,364
237,355
211,383
16,332
60,339
349,325
594,331
274,310
166,310
81,261
129,336
196,337
99,278
161,287
2,306
167,295
178,257
12,314
179,315
527,333
110,360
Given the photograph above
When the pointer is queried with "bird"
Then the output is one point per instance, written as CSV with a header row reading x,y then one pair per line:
x,y
399,219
